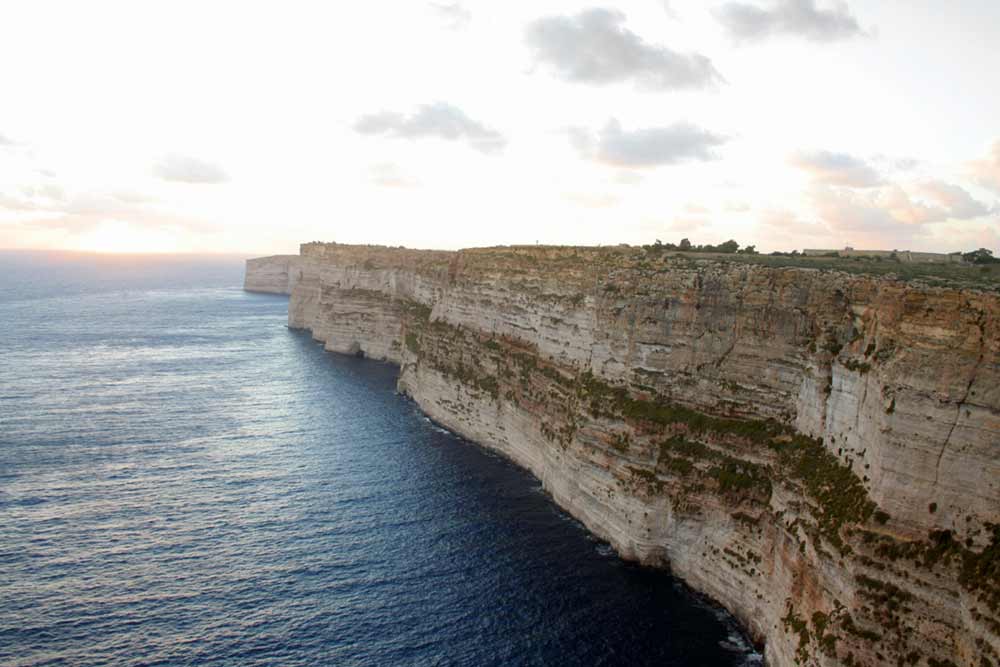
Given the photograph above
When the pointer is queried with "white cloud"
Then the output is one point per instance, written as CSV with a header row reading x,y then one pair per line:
x,y
187,169
955,200
454,14
44,197
885,208
49,205
16,203
986,171
594,47
439,120
836,169
647,147
746,22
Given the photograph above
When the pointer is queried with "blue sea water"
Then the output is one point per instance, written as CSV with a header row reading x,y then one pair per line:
x,y
185,481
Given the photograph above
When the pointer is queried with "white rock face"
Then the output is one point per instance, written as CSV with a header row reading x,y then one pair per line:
x,y
635,389
277,274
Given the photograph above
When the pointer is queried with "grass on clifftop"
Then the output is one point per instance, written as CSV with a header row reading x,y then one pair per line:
x,y
986,276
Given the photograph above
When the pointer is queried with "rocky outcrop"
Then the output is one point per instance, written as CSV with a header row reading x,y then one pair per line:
x,y
818,451
277,274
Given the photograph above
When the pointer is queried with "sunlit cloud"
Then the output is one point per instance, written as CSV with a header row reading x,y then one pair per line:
x,y
594,47
784,228
877,217
831,168
94,220
17,203
119,236
986,171
954,199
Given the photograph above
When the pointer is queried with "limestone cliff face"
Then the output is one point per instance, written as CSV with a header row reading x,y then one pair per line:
x,y
276,274
818,451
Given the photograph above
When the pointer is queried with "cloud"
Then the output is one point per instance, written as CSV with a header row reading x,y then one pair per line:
x,y
781,228
49,205
902,209
142,219
888,163
955,200
836,169
872,218
51,191
890,215
16,203
890,211
887,207
986,171
5,141
747,22
987,236
44,197
455,16
439,120
593,47
645,148
186,169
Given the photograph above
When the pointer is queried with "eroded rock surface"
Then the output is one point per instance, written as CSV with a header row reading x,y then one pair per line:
x,y
818,451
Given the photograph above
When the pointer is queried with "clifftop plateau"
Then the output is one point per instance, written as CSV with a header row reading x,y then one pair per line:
x,y
815,446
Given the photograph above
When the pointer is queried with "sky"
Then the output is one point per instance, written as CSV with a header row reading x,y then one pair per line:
x,y
250,127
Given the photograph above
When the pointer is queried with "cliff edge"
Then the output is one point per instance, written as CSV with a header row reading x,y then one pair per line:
x,y
818,450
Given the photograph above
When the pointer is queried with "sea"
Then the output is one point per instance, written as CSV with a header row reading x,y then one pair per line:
x,y
184,480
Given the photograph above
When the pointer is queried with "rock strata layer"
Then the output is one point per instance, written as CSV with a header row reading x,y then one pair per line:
x,y
818,451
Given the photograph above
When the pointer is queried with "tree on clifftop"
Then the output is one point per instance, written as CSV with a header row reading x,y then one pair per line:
x,y
981,256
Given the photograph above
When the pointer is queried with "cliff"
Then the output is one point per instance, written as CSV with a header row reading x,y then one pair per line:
x,y
276,274
817,450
